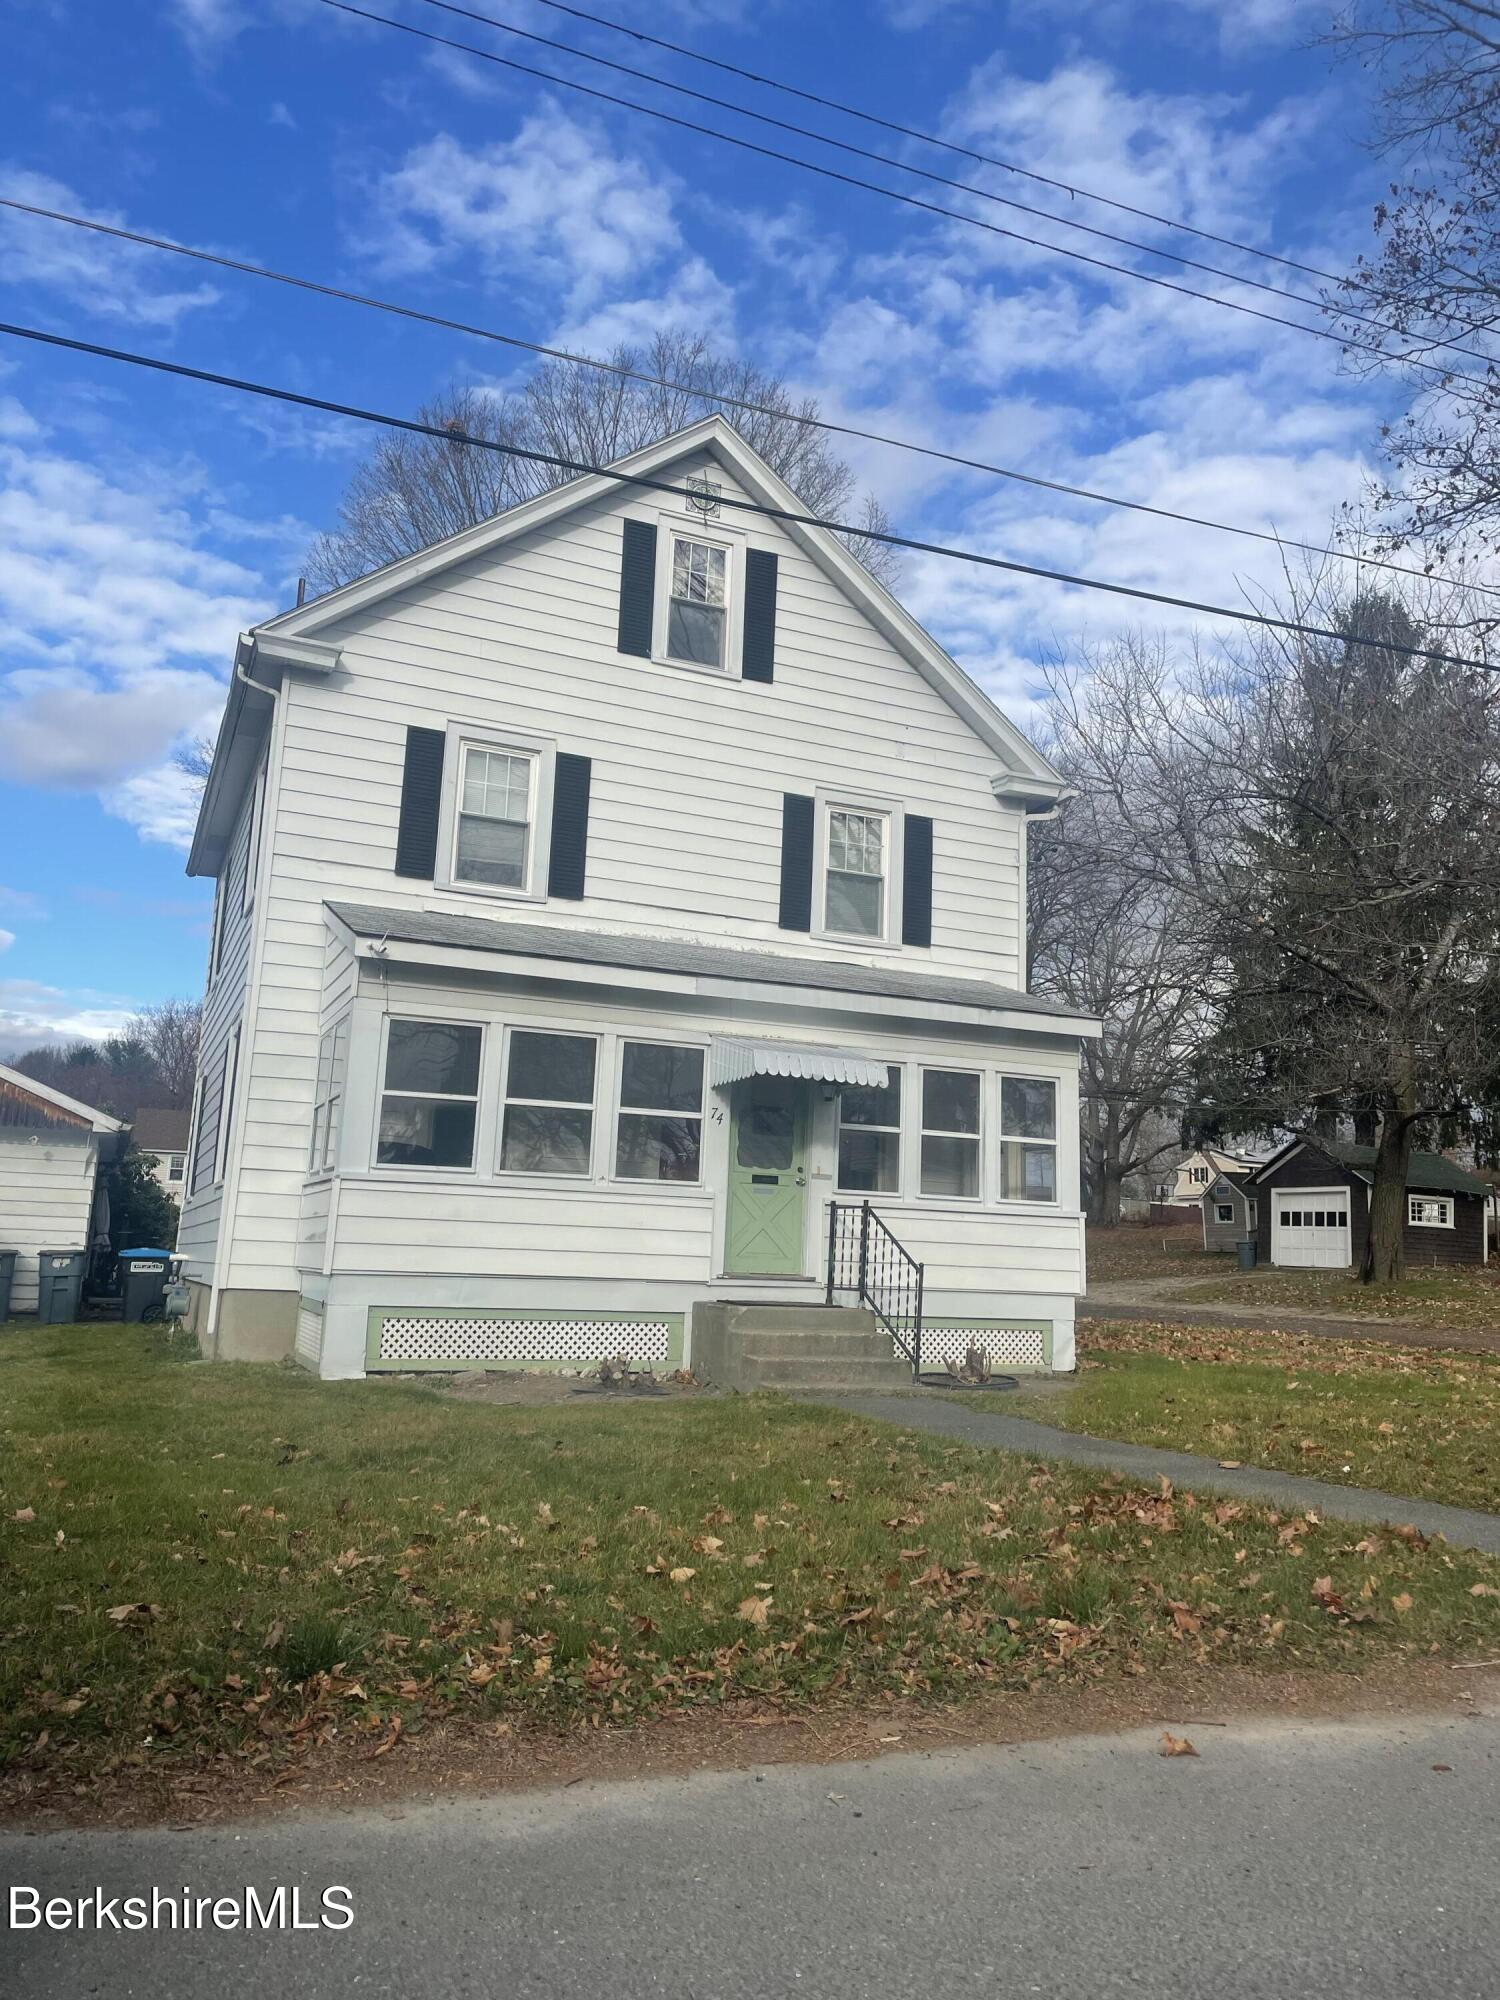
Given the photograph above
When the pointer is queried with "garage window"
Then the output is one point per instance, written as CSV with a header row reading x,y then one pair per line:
x,y
1429,1211
1223,1211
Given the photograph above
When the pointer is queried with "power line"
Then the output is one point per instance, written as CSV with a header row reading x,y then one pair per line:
x,y
1450,376
745,403
941,180
789,516
1069,188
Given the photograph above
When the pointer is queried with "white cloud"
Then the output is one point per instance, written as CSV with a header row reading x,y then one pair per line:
x,y
161,804
33,1015
694,301
7,939
113,279
206,25
555,204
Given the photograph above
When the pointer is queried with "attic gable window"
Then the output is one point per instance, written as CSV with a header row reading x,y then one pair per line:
x,y
697,604
492,839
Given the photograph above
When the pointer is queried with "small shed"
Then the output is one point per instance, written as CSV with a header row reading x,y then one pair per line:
x,y
1229,1210
1314,1207
50,1152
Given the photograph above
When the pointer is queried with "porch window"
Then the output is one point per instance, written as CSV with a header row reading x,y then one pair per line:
x,y
870,1138
1429,1211
549,1104
697,603
431,1095
854,881
659,1134
950,1133
1028,1138
492,839
333,1049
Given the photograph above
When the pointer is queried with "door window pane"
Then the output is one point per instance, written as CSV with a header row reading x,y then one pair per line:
x,y
430,1099
659,1132
766,1133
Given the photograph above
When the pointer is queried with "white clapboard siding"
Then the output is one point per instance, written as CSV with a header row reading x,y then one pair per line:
x,y
688,776
46,1195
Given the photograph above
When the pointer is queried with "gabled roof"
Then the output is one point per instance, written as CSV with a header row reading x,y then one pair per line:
x,y
297,638
26,1103
160,1129
1425,1171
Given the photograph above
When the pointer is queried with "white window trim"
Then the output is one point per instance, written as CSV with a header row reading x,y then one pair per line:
x,y
617,1082
226,1103
1445,1200
322,1161
521,1176
686,526
826,802
181,1174
216,929
980,1197
430,1174
252,851
463,736
1019,1201
903,1170
1223,1213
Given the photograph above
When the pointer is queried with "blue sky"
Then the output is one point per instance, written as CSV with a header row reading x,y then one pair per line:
x,y
143,523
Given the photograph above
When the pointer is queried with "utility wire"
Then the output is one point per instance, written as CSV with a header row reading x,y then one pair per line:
x,y
1449,375
790,516
943,180
745,403
1071,189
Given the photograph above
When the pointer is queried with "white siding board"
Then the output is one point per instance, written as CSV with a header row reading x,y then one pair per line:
x,y
46,1196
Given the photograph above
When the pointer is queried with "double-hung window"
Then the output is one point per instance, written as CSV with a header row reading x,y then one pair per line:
x,y
855,875
1028,1138
950,1133
1429,1211
493,826
333,1051
175,1166
697,602
430,1100
548,1125
870,1138
659,1133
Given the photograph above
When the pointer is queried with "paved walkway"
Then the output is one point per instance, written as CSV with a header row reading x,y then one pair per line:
x,y
1156,1299
981,1422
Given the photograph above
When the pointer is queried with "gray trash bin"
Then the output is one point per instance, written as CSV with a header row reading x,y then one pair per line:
x,y
143,1282
59,1282
7,1278
1247,1248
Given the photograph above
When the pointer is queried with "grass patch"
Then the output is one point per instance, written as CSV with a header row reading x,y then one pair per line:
x,y
1466,1299
208,1565
1147,1250
1421,1423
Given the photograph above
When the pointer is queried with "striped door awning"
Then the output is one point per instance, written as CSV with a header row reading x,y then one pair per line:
x,y
732,1062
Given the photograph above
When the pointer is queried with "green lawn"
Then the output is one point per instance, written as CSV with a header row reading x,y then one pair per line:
x,y
1421,1423
1143,1250
1467,1299
208,1565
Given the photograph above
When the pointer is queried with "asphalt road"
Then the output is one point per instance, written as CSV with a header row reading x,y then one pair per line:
x,y
1287,1860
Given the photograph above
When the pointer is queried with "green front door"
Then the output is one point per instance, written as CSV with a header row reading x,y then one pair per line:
x,y
767,1176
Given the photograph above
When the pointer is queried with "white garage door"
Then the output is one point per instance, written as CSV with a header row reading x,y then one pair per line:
x,y
1310,1228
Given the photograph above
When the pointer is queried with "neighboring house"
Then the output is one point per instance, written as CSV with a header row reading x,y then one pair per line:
x,y
164,1134
601,893
1230,1211
51,1148
1314,1198
1193,1176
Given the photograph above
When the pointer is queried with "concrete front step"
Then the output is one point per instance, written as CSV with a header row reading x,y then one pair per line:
x,y
755,1346
872,1346
890,1376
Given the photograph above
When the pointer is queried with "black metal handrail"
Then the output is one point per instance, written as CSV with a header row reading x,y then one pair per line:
x,y
864,1257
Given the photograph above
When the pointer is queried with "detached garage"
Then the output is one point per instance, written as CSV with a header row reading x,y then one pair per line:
x,y
1314,1208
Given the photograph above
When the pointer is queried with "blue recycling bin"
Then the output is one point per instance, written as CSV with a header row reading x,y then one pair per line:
x,y
143,1283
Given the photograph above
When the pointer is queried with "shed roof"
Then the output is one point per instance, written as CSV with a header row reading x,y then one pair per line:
x,y
1424,1170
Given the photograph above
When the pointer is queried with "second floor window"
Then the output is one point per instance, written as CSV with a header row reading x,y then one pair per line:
x,y
697,603
492,843
854,884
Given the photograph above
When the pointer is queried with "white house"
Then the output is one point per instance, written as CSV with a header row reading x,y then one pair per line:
x,y
603,893
50,1147
1196,1174
163,1133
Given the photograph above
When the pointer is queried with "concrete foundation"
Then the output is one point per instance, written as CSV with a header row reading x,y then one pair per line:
x,y
253,1326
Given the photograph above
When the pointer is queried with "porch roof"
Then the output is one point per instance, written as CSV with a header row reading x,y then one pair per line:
x,y
683,959
733,1061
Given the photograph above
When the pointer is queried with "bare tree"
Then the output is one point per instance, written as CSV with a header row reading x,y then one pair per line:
x,y
151,1062
415,490
1328,813
170,1032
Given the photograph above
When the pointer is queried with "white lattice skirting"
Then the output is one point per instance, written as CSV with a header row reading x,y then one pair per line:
x,y
1009,1346
440,1337
308,1345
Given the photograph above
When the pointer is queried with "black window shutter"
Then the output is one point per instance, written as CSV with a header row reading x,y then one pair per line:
x,y
637,587
570,824
916,886
758,658
796,862
421,800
